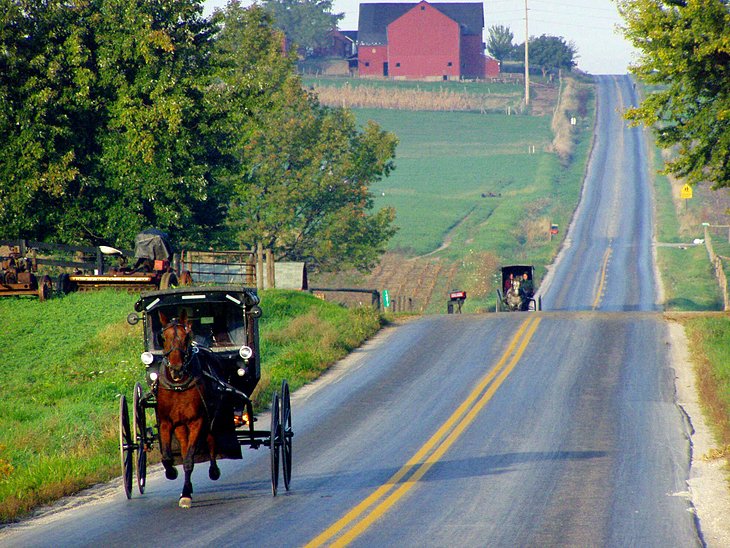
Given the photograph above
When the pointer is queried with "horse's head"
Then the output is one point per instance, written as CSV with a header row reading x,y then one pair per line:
x,y
176,337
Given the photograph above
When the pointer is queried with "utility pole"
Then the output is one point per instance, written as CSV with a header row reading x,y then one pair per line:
x,y
527,61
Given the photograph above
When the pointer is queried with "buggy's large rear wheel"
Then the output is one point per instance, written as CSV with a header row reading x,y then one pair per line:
x,y
125,446
139,420
274,441
286,434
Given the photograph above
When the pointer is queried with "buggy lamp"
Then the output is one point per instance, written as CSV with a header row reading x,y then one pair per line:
x,y
245,352
153,376
147,358
240,371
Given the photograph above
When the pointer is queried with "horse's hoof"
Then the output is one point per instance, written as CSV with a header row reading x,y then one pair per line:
x,y
214,473
171,473
185,502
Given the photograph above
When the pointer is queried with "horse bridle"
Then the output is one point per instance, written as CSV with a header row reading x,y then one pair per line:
x,y
185,350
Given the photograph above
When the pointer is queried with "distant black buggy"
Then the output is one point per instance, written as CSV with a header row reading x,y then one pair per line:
x,y
202,364
517,292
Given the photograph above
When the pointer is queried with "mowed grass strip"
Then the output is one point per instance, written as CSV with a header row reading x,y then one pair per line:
x,y
65,363
709,339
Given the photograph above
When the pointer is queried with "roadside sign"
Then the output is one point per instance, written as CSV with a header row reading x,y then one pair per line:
x,y
686,192
386,298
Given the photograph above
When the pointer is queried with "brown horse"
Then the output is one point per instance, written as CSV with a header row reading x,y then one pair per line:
x,y
181,404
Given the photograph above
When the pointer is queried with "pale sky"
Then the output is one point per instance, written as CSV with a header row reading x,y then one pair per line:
x,y
590,24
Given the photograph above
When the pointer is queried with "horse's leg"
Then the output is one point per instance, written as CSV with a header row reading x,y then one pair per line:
x,y
166,450
213,472
187,449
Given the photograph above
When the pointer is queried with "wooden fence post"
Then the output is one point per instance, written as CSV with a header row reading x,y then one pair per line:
x,y
270,273
259,267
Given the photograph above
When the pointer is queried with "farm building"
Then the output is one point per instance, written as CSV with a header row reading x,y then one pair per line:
x,y
423,41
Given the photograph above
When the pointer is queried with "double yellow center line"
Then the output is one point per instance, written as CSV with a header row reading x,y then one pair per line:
x,y
602,279
362,516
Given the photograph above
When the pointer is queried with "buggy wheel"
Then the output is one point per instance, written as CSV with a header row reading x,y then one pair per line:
x,y
286,434
139,419
274,440
125,446
45,288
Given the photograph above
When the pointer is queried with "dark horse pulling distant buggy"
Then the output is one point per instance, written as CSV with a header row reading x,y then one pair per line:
x,y
202,364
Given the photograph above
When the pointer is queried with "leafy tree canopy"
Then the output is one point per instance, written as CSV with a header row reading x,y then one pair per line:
x,y
685,51
549,53
306,23
499,42
100,107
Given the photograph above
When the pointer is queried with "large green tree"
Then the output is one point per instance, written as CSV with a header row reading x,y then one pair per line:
x,y
300,172
685,55
549,53
101,109
499,42
306,23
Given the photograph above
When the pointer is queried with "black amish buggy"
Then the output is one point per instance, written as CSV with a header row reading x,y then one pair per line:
x,y
202,362
517,293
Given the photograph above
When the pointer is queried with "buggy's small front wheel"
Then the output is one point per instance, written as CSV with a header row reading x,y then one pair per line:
x,y
139,420
274,441
125,446
286,434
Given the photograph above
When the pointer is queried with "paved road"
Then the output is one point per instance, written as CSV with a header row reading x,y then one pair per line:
x,y
524,429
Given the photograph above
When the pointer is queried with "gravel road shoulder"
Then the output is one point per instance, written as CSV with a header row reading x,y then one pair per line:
x,y
707,479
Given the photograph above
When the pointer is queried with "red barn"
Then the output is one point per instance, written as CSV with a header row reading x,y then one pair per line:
x,y
423,41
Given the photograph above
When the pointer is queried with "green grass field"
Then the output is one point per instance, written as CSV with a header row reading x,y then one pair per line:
x,y
447,160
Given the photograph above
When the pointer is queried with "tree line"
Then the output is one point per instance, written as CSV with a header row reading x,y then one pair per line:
x,y
119,115
548,53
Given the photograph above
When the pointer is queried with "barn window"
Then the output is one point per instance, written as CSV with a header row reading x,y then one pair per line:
x,y
423,8
397,64
367,64
449,64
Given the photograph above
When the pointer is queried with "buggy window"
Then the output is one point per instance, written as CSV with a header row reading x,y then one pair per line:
x,y
219,326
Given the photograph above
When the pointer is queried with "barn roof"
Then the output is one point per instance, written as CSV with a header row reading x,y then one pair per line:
x,y
375,18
